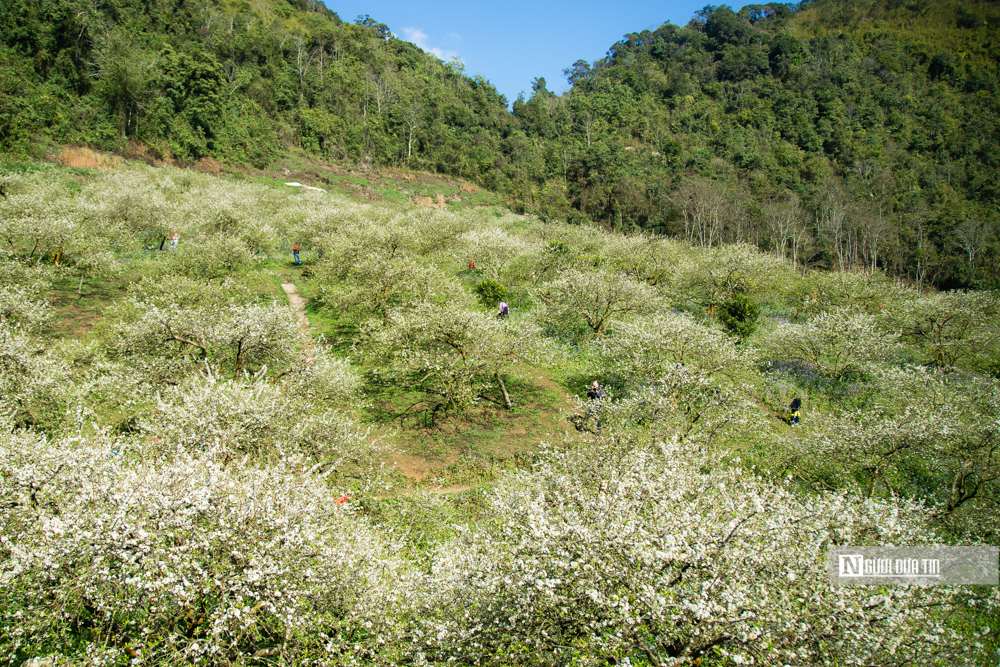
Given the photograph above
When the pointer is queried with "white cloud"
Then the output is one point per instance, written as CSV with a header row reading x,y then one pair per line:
x,y
419,37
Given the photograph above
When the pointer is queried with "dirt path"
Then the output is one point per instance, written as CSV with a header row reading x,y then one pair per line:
x,y
299,306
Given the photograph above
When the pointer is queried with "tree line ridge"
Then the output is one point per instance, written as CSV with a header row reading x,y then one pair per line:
x,y
838,133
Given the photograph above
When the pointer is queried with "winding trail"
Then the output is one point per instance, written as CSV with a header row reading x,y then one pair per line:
x,y
299,306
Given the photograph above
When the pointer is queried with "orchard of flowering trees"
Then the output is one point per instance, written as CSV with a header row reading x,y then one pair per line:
x,y
192,479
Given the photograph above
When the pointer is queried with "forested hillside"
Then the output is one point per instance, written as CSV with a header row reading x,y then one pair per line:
x,y
233,81
837,133
845,133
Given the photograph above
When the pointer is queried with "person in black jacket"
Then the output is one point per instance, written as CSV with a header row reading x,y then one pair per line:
x,y
595,397
794,407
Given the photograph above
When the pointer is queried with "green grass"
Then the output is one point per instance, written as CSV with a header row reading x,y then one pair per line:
x,y
473,445
374,185
80,305
452,448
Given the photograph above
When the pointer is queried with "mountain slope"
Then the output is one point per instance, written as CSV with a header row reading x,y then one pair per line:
x,y
840,133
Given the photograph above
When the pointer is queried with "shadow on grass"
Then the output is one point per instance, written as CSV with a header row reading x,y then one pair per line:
x,y
425,428
79,305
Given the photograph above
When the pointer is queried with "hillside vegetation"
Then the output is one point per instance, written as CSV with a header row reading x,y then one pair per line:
x,y
837,133
186,477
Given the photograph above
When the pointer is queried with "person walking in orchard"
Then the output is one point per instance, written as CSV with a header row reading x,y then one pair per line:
x,y
295,254
793,411
595,399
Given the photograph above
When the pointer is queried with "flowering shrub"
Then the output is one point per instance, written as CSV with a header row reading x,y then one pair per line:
x,y
666,557
110,555
924,433
35,386
594,300
683,402
493,248
709,276
373,285
233,420
837,342
451,354
643,257
870,293
636,352
214,257
21,308
952,329
232,339
324,378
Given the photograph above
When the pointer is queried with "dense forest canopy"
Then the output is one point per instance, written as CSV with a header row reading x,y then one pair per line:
x,y
838,133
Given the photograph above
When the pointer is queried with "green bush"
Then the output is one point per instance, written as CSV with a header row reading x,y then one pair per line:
x,y
490,292
739,314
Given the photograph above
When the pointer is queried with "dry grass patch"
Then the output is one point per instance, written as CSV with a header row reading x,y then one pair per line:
x,y
437,202
84,158
209,165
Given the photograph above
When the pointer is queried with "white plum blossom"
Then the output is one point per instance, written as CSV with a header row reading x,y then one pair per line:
x,y
666,555
836,342
111,553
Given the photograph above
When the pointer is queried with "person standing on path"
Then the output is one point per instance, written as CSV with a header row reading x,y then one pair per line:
x,y
595,398
295,254
794,408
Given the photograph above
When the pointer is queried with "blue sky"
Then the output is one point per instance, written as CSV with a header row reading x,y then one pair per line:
x,y
510,43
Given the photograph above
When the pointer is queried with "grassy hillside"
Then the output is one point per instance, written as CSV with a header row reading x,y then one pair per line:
x,y
189,472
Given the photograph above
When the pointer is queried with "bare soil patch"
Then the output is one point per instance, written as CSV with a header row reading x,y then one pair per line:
x,y
298,304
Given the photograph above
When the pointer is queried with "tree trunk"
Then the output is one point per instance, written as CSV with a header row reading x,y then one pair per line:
x,y
503,388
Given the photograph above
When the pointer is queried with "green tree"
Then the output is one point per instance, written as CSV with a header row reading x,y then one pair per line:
x,y
191,104
739,314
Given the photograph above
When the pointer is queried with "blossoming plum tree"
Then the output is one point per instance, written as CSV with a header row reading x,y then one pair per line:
x,y
234,339
594,300
451,354
924,432
638,350
952,329
35,384
114,554
667,557
642,257
836,342
375,284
